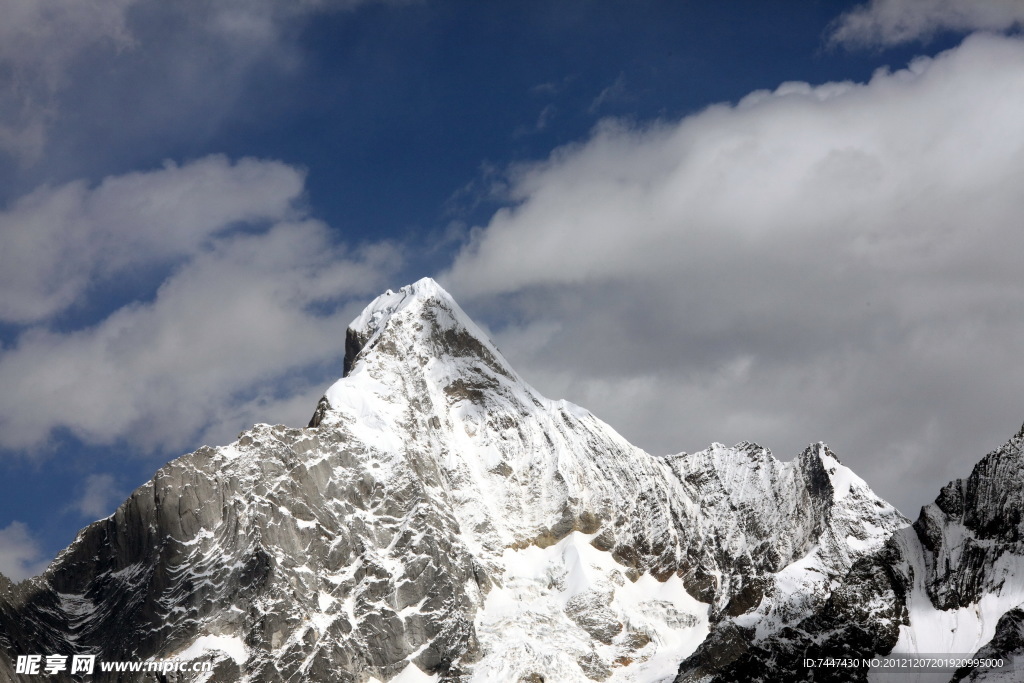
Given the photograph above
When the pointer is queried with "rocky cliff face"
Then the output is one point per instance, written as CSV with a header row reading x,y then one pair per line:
x,y
952,583
973,533
440,520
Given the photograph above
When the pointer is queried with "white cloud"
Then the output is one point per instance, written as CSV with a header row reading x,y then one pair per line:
x,y
891,22
19,553
58,241
100,495
43,37
836,262
39,41
258,297
237,319
193,55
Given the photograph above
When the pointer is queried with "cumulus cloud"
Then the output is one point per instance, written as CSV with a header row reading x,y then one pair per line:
x,y
236,319
58,241
244,312
891,22
832,262
19,553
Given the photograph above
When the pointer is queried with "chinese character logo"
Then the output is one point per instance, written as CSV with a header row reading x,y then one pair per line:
x,y
83,664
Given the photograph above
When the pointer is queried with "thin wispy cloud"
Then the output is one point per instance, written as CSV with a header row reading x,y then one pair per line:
x,y
614,93
100,495
891,22
179,58
39,42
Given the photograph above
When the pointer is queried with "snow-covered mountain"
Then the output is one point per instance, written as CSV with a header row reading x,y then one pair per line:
x,y
439,520
950,584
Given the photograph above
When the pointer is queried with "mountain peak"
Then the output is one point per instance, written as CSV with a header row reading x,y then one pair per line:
x,y
422,315
413,335
379,311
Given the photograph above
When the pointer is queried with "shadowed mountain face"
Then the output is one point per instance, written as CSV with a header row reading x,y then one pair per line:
x,y
440,520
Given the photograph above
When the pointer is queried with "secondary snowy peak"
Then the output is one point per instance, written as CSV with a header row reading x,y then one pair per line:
x,y
953,582
790,530
812,504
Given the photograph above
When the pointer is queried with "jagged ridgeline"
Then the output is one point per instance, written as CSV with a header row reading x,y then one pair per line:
x,y
439,520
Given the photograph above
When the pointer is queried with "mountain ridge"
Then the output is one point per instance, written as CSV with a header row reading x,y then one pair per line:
x,y
440,518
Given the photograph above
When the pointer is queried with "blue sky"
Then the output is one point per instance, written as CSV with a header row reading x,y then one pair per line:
x,y
774,221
